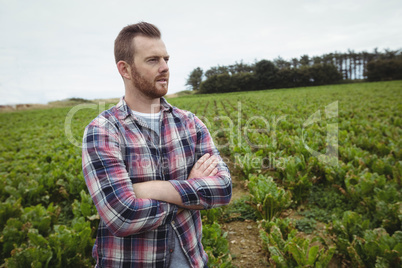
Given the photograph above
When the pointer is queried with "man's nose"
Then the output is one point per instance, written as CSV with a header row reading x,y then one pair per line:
x,y
164,67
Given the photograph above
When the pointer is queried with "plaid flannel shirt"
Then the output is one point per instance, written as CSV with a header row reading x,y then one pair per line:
x,y
120,150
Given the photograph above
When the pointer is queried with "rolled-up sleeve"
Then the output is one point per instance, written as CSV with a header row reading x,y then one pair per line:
x,y
212,191
111,188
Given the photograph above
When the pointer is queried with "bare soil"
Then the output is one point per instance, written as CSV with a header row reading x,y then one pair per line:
x,y
245,244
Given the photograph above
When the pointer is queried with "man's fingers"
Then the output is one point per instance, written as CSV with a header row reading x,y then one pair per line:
x,y
205,166
213,172
202,160
210,161
209,165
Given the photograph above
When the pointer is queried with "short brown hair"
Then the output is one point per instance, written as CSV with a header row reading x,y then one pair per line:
x,y
123,48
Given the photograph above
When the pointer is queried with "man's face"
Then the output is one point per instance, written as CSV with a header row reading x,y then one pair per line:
x,y
150,72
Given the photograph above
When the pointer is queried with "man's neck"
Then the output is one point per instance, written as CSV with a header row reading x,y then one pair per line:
x,y
140,103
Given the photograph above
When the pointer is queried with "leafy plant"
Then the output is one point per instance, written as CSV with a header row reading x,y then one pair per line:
x,y
63,248
268,199
326,204
239,210
294,251
389,207
376,249
216,246
306,255
306,225
286,226
343,231
210,216
295,176
86,209
9,210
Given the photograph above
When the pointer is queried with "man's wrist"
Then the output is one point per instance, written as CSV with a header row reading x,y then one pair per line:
x,y
158,190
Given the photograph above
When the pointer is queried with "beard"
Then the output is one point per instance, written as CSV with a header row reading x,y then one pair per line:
x,y
148,88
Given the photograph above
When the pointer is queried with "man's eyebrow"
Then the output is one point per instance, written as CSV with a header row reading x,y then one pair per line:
x,y
157,56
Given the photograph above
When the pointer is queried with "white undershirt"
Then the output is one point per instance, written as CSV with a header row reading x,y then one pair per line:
x,y
152,120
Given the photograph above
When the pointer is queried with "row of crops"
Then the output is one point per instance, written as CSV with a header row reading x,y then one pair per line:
x,y
331,154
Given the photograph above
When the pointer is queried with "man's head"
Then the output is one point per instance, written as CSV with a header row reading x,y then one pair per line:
x,y
141,59
124,45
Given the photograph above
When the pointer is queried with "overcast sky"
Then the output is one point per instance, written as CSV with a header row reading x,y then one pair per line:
x,y
56,49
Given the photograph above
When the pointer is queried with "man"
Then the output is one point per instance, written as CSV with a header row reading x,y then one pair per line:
x,y
150,167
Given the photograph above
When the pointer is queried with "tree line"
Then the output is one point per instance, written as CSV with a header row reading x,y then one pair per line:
x,y
304,71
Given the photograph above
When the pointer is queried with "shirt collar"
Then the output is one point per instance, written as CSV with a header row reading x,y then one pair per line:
x,y
123,111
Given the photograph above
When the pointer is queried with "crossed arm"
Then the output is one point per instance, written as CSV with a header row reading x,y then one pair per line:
x,y
127,208
164,190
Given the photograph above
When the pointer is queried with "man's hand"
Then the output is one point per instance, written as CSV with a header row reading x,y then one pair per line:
x,y
204,167
164,190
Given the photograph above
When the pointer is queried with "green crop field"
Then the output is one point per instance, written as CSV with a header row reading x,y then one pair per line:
x,y
331,154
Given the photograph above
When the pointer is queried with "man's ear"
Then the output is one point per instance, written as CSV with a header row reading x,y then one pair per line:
x,y
124,69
